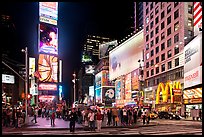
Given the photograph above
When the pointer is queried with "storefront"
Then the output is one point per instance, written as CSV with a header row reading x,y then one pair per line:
x,y
192,100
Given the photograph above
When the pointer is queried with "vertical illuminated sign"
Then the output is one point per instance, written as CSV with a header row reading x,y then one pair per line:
x,y
60,92
60,71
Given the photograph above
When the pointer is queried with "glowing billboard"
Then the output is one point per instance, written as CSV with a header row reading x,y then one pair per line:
x,y
124,58
60,92
86,57
60,71
105,48
48,12
135,80
48,39
117,89
193,62
128,93
89,69
98,95
47,86
9,79
46,98
109,95
47,68
91,91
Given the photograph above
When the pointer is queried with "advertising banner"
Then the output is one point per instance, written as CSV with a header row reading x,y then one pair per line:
x,y
104,48
192,93
135,79
98,95
48,39
193,62
123,59
47,86
128,93
117,89
91,91
46,98
8,79
47,68
197,16
109,95
89,69
48,11
98,78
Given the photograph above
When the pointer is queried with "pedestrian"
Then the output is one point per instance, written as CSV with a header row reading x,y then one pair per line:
x,y
79,115
144,116
35,112
116,120
109,117
43,112
114,114
72,118
52,117
125,117
135,116
147,116
99,118
91,116
121,116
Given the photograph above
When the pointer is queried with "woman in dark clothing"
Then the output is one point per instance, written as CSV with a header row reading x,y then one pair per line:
x,y
135,116
109,117
72,118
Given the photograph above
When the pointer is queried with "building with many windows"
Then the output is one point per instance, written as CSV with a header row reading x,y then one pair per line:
x,y
168,27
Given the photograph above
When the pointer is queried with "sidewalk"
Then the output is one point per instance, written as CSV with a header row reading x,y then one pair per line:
x,y
60,124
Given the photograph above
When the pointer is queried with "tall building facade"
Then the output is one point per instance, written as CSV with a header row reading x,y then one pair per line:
x,y
168,26
91,46
138,16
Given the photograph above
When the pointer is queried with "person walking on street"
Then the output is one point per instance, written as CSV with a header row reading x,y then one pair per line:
x,y
99,118
109,117
135,116
35,111
91,116
144,116
52,117
72,118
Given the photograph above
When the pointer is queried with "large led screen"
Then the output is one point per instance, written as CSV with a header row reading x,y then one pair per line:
x,y
48,39
124,58
128,93
47,68
48,12
117,89
109,95
135,79
89,69
98,80
193,62
105,48
98,95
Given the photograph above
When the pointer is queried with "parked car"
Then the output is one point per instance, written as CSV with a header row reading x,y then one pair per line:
x,y
168,115
153,115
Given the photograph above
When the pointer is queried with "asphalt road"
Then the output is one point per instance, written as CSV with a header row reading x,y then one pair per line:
x,y
165,127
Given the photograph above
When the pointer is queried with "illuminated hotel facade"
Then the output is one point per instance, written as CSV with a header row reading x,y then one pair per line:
x,y
168,27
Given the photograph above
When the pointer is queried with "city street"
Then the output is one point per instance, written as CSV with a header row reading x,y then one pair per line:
x,y
163,127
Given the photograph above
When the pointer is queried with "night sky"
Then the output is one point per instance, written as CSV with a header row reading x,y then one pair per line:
x,y
76,20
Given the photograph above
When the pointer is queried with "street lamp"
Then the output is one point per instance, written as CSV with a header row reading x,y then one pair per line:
x,y
26,82
74,81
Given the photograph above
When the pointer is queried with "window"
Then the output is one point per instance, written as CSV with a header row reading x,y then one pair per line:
x,y
163,57
168,9
151,34
163,67
162,25
147,46
151,24
157,49
157,40
169,65
157,81
168,31
176,62
147,64
147,73
157,59
162,36
152,72
169,42
147,38
152,43
162,5
190,33
190,22
168,20
169,54
156,10
162,46
147,29
157,70
151,15
157,19
151,6
162,15
147,56
176,26
147,10
157,30
176,14
176,50
147,20
190,9
175,4
152,53
152,62
176,38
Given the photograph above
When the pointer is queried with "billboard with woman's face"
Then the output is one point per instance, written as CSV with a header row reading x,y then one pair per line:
x,y
48,39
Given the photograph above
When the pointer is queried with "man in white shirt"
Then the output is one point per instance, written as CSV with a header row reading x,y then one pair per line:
x,y
91,117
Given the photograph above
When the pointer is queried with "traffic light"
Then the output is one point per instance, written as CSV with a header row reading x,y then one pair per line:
x,y
29,96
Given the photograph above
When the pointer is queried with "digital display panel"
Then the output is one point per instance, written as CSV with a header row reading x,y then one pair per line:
x,y
105,48
47,68
117,89
48,39
98,95
89,69
47,86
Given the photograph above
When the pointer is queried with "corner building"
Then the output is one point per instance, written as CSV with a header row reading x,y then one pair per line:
x,y
168,27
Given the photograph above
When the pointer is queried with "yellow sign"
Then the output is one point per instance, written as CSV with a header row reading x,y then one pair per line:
x,y
166,90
